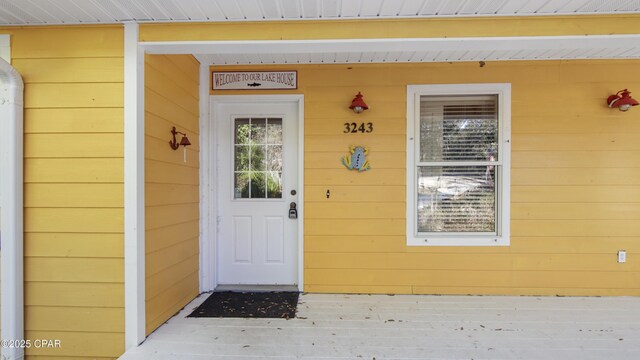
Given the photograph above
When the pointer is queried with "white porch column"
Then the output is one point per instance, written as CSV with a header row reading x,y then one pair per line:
x,y
11,221
134,229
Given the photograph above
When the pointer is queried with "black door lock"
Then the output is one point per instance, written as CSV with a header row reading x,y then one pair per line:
x,y
293,212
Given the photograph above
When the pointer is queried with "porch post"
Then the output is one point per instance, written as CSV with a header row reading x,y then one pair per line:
x,y
11,217
207,190
134,229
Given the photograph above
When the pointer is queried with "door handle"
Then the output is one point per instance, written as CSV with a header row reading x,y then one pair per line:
x,y
293,212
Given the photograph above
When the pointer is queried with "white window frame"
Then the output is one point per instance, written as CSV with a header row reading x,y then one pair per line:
x,y
503,91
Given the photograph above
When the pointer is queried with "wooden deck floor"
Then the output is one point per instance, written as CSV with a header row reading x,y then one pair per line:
x,y
411,327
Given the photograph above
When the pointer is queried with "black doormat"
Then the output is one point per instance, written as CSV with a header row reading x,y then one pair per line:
x,y
249,305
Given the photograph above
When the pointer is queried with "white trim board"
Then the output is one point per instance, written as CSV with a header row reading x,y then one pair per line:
x,y
11,203
208,169
208,196
503,194
134,222
5,47
409,50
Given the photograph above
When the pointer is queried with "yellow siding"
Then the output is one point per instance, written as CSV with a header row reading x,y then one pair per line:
x,y
575,187
73,187
404,28
575,169
575,172
171,194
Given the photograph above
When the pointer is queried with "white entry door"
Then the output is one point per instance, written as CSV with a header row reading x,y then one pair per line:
x,y
257,185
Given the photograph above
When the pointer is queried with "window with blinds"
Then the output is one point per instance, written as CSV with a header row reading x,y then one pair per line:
x,y
457,165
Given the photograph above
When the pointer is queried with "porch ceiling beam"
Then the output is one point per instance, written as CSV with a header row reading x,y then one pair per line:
x,y
340,46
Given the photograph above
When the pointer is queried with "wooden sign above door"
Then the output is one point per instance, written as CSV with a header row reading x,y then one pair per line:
x,y
254,80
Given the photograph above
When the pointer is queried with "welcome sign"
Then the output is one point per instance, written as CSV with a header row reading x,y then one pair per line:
x,y
254,80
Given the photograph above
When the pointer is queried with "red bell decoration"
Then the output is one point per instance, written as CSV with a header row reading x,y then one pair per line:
x,y
184,142
357,104
622,100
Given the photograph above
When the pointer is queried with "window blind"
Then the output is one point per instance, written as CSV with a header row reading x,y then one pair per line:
x,y
461,128
456,170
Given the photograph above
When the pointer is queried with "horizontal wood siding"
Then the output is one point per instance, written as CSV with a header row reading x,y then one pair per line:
x,y
575,183
394,28
172,186
73,192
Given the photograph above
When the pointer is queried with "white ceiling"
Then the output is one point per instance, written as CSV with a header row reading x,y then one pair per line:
x,y
39,12
422,50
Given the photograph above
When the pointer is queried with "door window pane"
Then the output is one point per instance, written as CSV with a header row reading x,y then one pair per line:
x,y
274,158
274,185
241,133
258,131
241,185
274,131
241,158
258,185
258,158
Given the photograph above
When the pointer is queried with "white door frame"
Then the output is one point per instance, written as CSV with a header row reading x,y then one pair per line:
x,y
209,188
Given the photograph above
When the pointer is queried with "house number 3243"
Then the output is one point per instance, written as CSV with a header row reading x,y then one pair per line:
x,y
355,128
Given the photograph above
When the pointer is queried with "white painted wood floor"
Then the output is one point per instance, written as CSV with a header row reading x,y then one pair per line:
x,y
411,327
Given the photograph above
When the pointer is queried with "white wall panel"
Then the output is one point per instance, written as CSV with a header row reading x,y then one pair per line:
x,y
242,237
371,8
274,227
411,7
231,10
27,13
330,8
251,9
173,9
351,8
291,9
